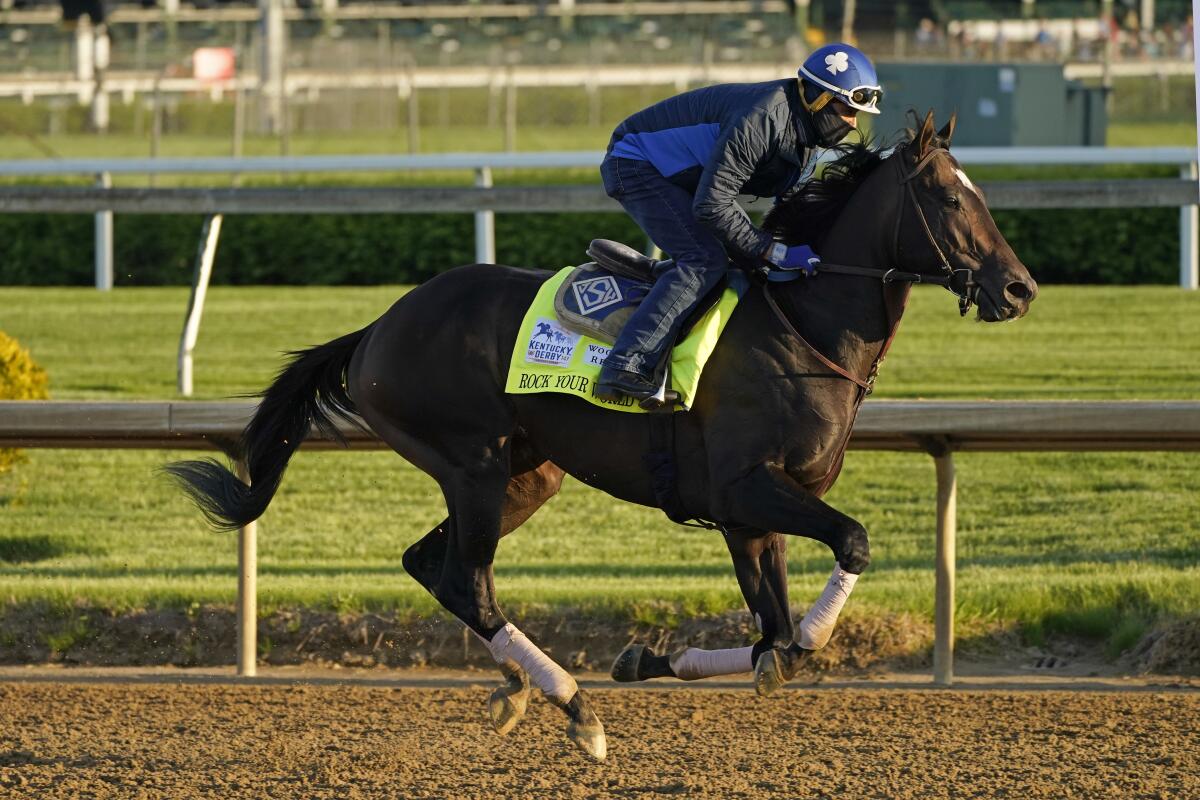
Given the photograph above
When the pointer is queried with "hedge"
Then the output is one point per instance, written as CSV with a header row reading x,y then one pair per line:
x,y
1119,246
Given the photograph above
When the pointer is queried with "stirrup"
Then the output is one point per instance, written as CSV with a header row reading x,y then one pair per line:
x,y
669,399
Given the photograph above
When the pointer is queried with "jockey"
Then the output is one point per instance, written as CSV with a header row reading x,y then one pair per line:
x,y
677,168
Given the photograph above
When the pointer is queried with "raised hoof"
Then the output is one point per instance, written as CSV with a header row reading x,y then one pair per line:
x,y
588,734
625,668
508,703
768,674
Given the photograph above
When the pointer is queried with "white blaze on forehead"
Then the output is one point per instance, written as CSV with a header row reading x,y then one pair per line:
x,y
962,176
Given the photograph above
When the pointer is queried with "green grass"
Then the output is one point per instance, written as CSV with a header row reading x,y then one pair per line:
x,y
1091,543
450,139
1148,134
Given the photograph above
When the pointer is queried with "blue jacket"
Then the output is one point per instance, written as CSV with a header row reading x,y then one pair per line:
x,y
722,141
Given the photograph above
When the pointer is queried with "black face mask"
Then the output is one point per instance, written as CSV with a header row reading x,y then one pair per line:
x,y
831,129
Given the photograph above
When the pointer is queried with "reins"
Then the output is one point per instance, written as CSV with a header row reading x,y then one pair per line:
x,y
969,289
966,297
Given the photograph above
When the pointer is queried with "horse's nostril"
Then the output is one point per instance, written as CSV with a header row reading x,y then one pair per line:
x,y
1018,291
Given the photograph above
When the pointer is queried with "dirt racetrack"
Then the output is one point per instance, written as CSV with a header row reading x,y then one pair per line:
x,y
72,736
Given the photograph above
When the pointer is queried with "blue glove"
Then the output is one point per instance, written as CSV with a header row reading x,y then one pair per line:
x,y
797,258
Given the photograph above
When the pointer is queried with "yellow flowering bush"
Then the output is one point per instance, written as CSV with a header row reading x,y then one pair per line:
x,y
20,379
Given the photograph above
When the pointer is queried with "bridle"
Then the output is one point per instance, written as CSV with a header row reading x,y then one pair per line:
x,y
960,282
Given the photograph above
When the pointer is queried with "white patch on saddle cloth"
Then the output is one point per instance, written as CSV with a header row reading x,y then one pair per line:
x,y
594,354
550,343
596,293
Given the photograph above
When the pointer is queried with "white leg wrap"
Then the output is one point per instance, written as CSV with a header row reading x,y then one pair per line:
x,y
817,625
509,644
690,663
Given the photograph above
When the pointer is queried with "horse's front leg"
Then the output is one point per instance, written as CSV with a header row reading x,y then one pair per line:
x,y
770,499
760,563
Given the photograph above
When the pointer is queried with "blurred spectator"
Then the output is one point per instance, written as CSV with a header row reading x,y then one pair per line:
x,y
1045,46
928,37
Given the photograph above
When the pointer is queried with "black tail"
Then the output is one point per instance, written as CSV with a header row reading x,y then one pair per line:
x,y
310,390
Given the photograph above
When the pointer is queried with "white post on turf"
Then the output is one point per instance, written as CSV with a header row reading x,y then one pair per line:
x,y
1189,216
191,326
485,223
1189,236
943,625
104,240
247,593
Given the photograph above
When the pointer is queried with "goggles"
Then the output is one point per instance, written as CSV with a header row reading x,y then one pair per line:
x,y
862,98
866,98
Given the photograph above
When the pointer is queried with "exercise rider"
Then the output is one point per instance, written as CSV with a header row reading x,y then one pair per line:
x,y
677,168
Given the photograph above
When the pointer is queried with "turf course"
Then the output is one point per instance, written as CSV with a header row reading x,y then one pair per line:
x,y
1101,544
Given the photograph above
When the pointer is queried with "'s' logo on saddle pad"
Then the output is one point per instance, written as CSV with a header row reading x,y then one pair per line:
x,y
597,293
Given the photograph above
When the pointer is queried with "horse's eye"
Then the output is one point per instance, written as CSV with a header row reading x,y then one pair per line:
x,y
953,202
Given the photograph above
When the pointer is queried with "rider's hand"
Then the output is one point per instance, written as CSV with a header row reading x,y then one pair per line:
x,y
799,257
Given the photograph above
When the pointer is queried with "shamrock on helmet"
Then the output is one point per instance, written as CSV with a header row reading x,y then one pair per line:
x,y
842,71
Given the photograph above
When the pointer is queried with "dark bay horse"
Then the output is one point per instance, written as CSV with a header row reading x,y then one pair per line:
x,y
762,443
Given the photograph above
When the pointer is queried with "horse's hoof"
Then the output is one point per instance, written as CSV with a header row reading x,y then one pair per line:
x,y
589,736
768,673
625,668
507,703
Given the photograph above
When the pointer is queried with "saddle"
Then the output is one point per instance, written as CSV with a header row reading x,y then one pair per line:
x,y
599,297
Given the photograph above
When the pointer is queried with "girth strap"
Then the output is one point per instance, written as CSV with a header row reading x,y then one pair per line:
x,y
660,462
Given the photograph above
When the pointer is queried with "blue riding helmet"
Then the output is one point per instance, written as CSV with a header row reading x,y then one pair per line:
x,y
844,72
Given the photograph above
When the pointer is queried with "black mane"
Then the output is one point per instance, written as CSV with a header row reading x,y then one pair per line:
x,y
808,216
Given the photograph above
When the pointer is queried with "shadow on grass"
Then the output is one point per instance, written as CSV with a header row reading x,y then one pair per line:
x,y
30,549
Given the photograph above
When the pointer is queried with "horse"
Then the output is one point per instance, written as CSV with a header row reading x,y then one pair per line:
x,y
761,444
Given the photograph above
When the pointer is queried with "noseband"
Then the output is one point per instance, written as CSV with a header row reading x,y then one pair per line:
x,y
960,282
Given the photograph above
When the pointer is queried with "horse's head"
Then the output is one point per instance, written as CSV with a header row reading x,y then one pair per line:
x,y
945,226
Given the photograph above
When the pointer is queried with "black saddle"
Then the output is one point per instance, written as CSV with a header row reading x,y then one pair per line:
x,y
624,260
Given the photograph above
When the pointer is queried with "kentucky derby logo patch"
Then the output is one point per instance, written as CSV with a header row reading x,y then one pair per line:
x,y
597,293
550,344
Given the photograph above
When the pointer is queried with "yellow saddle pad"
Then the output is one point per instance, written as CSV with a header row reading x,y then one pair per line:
x,y
549,358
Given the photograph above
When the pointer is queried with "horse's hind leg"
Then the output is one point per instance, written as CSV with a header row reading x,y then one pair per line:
x,y
532,485
760,563
475,495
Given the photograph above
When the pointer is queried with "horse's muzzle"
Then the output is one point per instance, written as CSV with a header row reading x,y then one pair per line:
x,y
1007,301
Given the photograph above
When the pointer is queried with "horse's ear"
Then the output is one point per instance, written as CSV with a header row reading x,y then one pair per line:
x,y
925,135
947,131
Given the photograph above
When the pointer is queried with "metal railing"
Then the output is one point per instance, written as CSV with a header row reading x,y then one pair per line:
x,y
484,200
937,428
487,199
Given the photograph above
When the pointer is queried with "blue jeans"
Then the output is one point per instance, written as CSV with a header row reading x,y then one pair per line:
x,y
664,211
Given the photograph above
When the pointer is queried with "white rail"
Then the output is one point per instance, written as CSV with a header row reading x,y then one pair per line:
x,y
937,428
483,163
310,82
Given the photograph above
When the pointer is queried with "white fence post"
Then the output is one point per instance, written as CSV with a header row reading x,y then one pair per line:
x,y
943,625
104,240
485,223
1189,237
247,593
191,326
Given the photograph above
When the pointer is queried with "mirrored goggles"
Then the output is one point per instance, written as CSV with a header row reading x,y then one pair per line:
x,y
865,97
